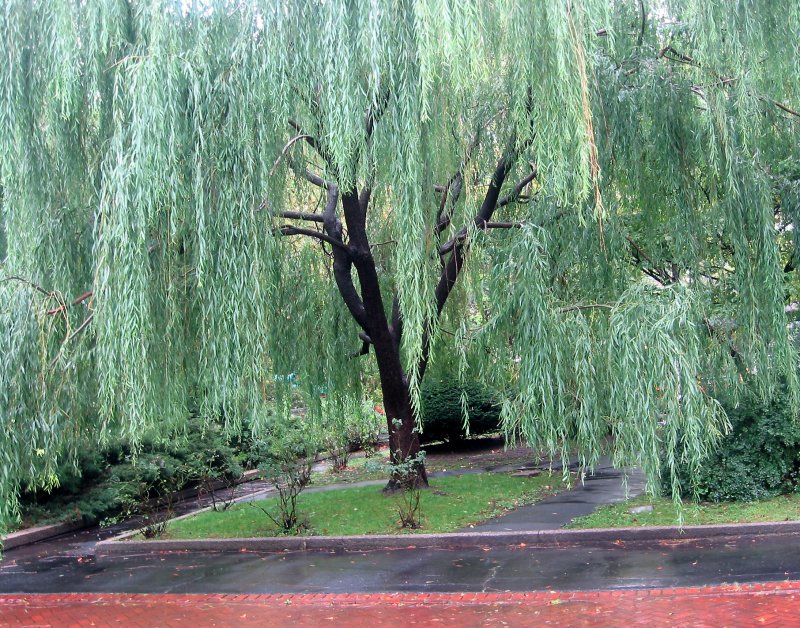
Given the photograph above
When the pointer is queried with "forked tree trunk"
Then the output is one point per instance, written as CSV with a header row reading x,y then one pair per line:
x,y
367,308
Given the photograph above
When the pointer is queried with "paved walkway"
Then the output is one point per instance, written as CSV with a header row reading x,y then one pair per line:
x,y
717,607
606,485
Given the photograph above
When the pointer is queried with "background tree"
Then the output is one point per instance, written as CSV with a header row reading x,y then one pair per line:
x,y
575,201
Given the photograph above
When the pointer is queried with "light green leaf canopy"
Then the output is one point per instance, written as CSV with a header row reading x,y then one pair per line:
x,y
150,152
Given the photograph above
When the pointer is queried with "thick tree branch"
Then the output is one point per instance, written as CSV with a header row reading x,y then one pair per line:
x,y
374,115
343,261
586,306
657,274
452,191
27,282
514,195
678,56
397,320
462,234
290,230
643,13
310,217
363,351
288,145
486,224
309,176
77,301
311,141
69,338
505,225
788,110
454,265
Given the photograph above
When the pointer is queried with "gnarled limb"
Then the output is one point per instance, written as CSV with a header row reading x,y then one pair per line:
x,y
452,268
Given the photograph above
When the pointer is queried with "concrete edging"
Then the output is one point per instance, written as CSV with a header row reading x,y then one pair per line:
x,y
39,533
118,546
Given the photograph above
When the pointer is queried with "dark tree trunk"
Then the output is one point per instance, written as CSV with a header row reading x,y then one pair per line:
x,y
385,339
403,438
367,306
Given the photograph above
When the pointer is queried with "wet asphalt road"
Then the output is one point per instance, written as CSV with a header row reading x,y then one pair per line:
x,y
744,560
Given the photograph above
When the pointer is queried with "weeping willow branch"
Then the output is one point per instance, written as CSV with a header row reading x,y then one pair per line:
x,y
461,236
657,274
455,264
454,187
77,301
309,176
343,261
515,193
71,337
643,13
311,141
29,283
288,145
786,108
676,56
586,306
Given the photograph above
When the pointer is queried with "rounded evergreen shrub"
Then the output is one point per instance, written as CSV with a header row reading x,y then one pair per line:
x,y
442,412
759,458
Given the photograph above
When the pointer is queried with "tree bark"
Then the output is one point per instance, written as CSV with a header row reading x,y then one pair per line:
x,y
408,470
403,440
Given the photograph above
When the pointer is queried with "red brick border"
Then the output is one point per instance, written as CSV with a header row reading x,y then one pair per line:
x,y
731,605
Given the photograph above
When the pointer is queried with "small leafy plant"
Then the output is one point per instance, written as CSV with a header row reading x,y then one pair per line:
x,y
408,489
286,460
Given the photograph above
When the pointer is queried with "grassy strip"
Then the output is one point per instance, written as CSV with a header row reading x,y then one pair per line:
x,y
450,504
781,508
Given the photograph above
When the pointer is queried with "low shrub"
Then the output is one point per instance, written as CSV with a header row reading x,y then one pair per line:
x,y
759,458
443,413
286,456
347,429
111,481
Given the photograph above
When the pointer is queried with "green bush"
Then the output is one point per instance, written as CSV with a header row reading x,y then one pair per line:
x,y
443,414
759,458
347,428
112,481
286,458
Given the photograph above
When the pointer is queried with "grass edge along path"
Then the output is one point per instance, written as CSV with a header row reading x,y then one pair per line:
x,y
450,504
779,508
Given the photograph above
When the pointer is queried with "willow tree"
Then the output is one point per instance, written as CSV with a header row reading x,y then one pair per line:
x,y
581,202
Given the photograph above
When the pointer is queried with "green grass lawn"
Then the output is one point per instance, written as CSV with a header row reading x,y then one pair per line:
x,y
450,503
781,508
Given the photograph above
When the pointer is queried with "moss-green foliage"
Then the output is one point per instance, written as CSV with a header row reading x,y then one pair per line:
x,y
104,482
450,411
150,149
758,458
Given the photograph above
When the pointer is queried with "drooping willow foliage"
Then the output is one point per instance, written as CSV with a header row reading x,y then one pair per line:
x,y
150,150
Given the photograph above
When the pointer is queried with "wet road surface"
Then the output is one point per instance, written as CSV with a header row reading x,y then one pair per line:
x,y
623,566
